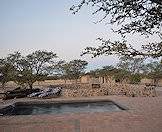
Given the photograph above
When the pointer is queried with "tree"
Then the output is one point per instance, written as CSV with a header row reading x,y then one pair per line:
x,y
107,72
127,69
62,69
135,78
6,72
133,66
36,65
31,68
129,16
121,75
153,70
76,68
111,73
73,69
8,67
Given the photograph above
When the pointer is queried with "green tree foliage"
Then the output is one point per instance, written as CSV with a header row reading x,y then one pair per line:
x,y
133,65
135,78
105,71
128,69
76,68
121,75
35,65
8,67
94,73
153,70
6,72
133,68
31,68
110,72
73,69
62,69
128,16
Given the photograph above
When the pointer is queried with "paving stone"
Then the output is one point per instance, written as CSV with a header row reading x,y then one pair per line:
x,y
144,114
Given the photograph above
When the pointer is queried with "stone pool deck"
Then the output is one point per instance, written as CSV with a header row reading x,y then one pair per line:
x,y
144,115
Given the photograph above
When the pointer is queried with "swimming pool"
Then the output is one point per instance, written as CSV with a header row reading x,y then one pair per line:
x,y
35,108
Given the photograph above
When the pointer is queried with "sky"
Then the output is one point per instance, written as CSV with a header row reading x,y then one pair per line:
x,y
29,25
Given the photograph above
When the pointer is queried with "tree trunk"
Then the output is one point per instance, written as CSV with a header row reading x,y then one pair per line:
x,y
76,81
65,81
31,85
3,86
156,81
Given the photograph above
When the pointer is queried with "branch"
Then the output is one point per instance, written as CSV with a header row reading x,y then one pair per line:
x,y
141,16
108,47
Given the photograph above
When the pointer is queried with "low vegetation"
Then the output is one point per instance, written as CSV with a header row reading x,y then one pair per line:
x,y
38,66
43,65
131,70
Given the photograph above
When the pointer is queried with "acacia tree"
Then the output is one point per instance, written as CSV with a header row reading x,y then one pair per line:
x,y
6,72
110,72
37,64
15,59
128,16
8,66
153,70
76,68
73,69
31,68
121,75
107,72
62,70
133,66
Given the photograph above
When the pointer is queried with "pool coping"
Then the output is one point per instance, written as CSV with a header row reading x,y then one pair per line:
x,y
143,115
62,101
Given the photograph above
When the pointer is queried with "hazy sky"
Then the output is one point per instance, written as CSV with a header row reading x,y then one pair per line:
x,y
29,25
